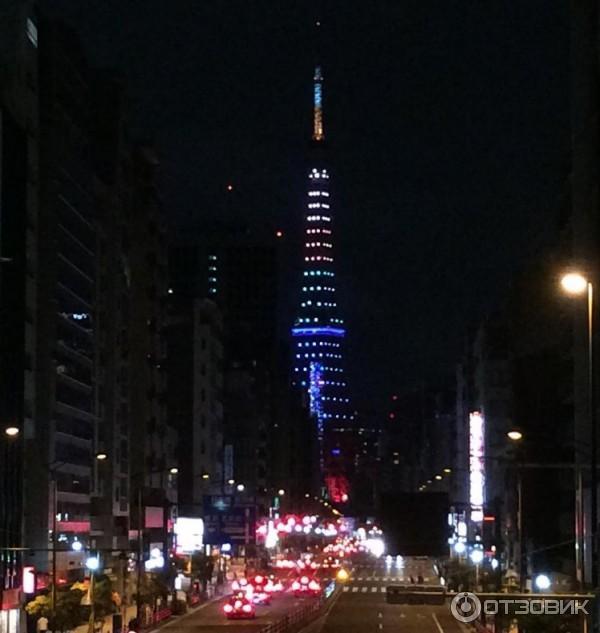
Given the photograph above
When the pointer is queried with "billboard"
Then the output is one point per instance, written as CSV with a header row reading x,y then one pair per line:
x,y
189,533
226,522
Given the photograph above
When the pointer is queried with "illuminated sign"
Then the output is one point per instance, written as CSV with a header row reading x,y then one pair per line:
x,y
476,465
189,534
28,579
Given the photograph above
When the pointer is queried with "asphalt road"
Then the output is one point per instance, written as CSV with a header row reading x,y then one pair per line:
x,y
210,618
362,606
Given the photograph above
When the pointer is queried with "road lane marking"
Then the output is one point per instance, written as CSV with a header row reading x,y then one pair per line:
x,y
380,626
373,589
380,615
364,589
437,623
383,589
354,589
346,589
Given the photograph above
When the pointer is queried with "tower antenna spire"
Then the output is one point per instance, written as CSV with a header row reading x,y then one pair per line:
x,y
318,133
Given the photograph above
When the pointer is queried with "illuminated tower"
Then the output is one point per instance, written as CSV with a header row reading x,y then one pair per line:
x,y
318,332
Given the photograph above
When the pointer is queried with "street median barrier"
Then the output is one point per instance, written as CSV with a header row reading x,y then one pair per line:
x,y
415,594
303,615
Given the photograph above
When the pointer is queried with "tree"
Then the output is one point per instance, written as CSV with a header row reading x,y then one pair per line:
x,y
68,613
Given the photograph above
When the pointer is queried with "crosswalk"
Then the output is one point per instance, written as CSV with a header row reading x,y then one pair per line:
x,y
385,579
364,589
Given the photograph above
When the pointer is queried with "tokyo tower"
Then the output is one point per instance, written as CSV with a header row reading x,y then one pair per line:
x,y
319,333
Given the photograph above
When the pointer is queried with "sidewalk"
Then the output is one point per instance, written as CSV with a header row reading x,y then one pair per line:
x,y
131,611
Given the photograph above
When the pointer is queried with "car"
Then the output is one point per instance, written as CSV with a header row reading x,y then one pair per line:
x,y
305,586
239,606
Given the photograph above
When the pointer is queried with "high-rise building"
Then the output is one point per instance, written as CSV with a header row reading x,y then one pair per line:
x,y
318,333
19,236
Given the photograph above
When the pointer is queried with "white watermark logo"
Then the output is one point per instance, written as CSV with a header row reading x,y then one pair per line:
x,y
467,607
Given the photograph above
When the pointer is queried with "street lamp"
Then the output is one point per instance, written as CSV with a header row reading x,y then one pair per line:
x,y
438,477
174,470
101,456
281,492
542,582
514,435
575,283
92,563
447,470
12,431
240,487
205,476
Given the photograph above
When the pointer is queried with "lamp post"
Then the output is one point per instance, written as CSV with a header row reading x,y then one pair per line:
x,y
92,563
173,470
575,283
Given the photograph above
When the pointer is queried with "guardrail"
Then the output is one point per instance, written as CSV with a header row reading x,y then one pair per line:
x,y
303,615
415,594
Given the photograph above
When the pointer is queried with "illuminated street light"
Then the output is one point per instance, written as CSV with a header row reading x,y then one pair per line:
x,y
240,487
205,476
101,456
477,556
515,435
542,582
231,481
438,477
92,563
447,470
281,492
574,283
12,431
174,470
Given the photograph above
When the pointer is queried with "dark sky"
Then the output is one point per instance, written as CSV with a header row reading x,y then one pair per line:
x,y
448,130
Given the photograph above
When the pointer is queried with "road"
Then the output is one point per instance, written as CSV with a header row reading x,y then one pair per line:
x,y
362,606
210,618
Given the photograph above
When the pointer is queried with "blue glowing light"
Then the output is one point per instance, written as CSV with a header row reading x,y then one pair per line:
x,y
318,331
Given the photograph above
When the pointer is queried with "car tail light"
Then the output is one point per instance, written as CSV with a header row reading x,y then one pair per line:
x,y
258,580
314,585
235,585
247,608
295,585
304,580
228,608
238,604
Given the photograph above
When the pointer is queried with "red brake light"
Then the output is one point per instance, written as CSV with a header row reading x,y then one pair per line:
x,y
304,580
258,580
295,585
247,608
314,585
228,608
238,604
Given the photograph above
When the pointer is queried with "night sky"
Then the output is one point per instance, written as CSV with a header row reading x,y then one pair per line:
x,y
447,123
